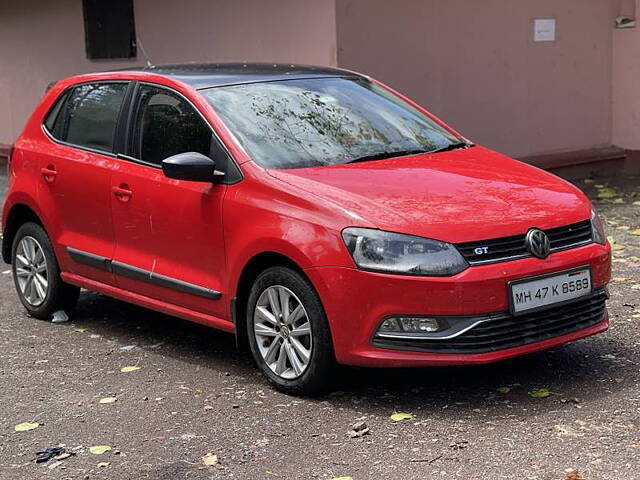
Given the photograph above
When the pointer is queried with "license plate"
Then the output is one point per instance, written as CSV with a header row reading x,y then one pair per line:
x,y
540,292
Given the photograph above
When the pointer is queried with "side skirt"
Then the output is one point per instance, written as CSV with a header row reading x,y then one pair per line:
x,y
147,302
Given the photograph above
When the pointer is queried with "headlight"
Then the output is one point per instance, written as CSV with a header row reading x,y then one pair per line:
x,y
597,228
405,254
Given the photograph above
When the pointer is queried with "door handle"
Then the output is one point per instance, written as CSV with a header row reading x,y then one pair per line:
x,y
49,173
122,192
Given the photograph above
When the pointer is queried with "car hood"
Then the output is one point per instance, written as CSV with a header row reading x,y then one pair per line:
x,y
456,196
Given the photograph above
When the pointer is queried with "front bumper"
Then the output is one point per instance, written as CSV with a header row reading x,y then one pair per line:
x,y
356,302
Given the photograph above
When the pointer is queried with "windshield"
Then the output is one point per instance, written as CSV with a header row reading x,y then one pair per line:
x,y
327,121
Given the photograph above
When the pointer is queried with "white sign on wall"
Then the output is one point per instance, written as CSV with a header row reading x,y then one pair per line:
x,y
544,30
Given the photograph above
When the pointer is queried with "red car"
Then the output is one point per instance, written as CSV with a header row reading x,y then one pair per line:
x,y
313,212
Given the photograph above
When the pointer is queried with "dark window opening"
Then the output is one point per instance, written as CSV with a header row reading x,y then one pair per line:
x,y
109,29
165,125
88,115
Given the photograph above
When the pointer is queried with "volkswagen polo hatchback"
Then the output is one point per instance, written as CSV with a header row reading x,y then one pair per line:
x,y
315,213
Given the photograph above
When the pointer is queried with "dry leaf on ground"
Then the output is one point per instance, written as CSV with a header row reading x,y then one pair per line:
x,y
399,416
99,449
26,426
132,368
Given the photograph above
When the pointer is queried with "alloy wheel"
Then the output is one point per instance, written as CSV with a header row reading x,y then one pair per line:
x,y
31,271
283,332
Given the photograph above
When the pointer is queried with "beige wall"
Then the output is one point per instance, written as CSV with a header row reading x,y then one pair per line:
x,y
471,62
41,41
474,63
626,82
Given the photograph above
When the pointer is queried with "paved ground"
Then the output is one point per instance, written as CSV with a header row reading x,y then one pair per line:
x,y
194,394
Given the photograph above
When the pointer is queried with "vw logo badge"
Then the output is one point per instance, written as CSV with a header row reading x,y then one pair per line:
x,y
538,243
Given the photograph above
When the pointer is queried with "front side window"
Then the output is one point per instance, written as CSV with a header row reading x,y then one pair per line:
x,y
165,125
328,121
88,116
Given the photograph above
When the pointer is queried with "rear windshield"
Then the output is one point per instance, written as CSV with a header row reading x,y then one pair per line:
x,y
317,122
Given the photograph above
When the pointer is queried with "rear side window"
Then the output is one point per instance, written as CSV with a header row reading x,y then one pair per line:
x,y
88,115
165,125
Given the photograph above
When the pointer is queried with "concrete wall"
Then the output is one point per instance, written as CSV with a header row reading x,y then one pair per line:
x,y
626,81
474,63
41,41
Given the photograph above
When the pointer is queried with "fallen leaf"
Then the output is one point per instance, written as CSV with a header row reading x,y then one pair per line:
x,y
102,464
26,426
503,389
607,192
635,232
540,393
99,449
615,246
588,180
80,329
573,474
400,416
210,459
108,400
129,369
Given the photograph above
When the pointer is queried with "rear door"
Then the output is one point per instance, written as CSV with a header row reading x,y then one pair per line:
x,y
76,173
169,233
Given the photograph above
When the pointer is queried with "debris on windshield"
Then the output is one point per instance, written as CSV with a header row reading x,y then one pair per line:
x,y
60,317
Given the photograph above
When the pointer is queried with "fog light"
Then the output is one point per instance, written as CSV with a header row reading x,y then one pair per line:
x,y
411,325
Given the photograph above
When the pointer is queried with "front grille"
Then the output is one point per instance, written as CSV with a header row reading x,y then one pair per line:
x,y
511,248
507,331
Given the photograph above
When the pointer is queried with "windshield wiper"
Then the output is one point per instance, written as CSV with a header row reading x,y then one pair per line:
x,y
453,146
383,155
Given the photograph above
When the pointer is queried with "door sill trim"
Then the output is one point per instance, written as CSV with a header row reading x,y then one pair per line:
x,y
135,273
148,302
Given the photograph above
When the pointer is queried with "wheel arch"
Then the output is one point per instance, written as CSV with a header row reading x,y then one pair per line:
x,y
252,268
18,215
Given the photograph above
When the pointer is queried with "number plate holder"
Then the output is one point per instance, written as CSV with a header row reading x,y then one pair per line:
x,y
549,288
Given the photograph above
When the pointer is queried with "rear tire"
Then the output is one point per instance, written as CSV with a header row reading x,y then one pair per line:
x,y
36,274
288,332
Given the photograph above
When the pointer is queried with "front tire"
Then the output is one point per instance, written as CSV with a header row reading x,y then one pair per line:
x,y
289,333
36,274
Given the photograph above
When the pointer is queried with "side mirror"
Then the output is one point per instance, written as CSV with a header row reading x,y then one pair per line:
x,y
190,166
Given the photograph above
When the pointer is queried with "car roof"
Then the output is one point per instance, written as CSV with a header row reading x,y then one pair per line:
x,y
208,75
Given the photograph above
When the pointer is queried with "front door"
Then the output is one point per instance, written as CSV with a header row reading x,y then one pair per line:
x,y
169,237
